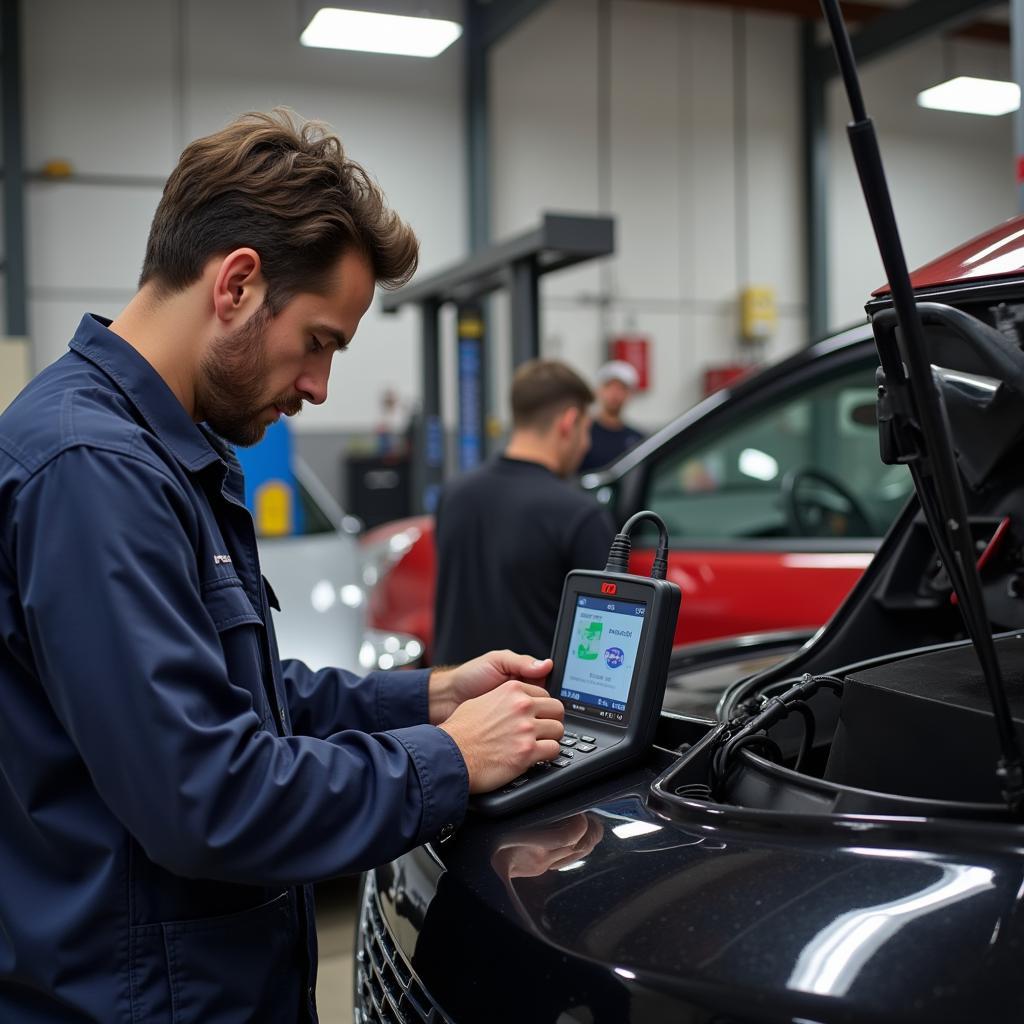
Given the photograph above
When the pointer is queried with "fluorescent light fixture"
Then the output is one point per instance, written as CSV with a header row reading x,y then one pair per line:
x,y
338,29
972,96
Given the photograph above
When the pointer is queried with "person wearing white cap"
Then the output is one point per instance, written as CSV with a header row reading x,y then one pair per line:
x,y
610,436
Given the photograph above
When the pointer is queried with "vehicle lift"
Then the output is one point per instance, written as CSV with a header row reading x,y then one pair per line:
x,y
560,241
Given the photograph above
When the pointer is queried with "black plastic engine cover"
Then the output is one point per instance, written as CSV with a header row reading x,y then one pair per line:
x,y
924,726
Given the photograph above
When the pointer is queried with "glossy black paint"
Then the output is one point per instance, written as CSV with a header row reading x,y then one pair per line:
x,y
631,902
712,918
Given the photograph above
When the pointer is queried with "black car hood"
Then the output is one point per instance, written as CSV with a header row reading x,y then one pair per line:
x,y
707,920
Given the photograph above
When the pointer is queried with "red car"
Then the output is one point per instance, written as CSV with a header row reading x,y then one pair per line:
x,y
772,491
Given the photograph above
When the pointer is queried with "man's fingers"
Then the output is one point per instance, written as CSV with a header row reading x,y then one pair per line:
x,y
548,750
545,706
520,666
549,729
533,668
548,707
533,690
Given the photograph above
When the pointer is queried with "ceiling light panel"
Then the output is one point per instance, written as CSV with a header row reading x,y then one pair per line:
x,y
972,96
340,29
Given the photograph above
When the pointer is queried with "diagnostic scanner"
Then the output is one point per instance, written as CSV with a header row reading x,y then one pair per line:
x,y
611,651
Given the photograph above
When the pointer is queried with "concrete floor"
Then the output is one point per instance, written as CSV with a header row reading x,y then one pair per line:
x,y
336,920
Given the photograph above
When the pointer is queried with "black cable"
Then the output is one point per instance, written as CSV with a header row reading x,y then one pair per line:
x,y
618,553
772,710
734,747
802,709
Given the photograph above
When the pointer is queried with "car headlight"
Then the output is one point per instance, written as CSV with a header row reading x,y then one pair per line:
x,y
380,557
325,595
383,649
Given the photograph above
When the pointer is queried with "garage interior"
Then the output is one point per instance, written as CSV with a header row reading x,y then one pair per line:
x,y
587,178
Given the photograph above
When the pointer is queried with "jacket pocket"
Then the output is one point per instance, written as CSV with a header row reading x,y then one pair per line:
x,y
228,604
242,968
241,633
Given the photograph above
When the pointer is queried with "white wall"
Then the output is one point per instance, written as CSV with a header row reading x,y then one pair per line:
x,y
118,87
951,175
702,166
703,173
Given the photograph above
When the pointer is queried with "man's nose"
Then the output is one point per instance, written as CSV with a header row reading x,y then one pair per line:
x,y
313,387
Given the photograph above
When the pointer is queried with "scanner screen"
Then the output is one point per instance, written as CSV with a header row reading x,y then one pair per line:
x,y
599,664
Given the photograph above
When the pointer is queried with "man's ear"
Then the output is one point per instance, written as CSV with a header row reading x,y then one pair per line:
x,y
567,420
239,288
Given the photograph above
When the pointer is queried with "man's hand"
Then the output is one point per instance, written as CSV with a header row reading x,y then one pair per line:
x,y
505,731
449,687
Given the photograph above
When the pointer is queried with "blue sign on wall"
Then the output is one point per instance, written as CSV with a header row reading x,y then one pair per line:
x,y
271,493
471,434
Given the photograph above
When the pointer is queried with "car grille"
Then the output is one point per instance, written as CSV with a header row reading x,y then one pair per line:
x,y
387,992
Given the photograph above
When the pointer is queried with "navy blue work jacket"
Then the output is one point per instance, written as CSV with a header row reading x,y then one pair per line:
x,y
169,787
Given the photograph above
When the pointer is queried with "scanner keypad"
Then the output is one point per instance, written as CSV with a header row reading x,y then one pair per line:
x,y
568,751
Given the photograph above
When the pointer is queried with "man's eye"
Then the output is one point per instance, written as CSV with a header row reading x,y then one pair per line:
x,y
315,345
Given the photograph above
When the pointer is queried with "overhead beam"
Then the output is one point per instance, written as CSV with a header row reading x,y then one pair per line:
x,y
903,25
560,241
854,13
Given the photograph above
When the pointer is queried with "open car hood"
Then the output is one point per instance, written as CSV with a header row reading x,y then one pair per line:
x,y
995,254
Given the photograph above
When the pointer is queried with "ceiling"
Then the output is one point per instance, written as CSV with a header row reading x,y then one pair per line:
x,y
993,26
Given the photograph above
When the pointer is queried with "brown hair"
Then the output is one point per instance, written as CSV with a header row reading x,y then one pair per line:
x,y
284,188
543,388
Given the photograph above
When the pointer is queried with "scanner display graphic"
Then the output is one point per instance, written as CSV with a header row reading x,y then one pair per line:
x,y
602,656
611,652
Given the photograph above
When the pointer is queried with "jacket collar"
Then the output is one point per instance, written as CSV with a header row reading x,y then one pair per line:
x,y
146,390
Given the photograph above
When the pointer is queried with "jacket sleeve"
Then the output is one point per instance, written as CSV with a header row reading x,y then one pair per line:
x,y
333,699
132,663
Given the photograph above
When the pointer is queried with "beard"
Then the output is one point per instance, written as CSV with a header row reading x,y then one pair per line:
x,y
230,392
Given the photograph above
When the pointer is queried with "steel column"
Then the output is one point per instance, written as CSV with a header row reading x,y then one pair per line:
x,y
879,36
477,128
14,179
815,156
524,311
1017,53
433,454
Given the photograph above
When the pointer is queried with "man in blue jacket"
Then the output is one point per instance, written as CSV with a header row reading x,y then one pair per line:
x,y
168,787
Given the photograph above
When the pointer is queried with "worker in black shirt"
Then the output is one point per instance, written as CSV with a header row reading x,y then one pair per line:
x,y
610,435
508,532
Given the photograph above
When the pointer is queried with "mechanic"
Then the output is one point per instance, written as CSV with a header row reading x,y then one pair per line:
x,y
509,531
168,787
610,435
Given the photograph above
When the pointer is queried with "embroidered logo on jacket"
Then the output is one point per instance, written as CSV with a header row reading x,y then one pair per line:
x,y
221,559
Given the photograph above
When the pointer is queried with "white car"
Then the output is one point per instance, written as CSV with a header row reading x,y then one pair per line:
x,y
320,578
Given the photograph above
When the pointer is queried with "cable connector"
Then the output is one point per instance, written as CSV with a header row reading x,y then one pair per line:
x,y
618,553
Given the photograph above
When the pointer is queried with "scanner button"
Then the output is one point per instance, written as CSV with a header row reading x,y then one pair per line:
x,y
570,735
567,753
588,739
586,748
561,762
516,783
569,741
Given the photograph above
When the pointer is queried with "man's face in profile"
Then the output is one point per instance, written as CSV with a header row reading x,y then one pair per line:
x,y
232,387
270,365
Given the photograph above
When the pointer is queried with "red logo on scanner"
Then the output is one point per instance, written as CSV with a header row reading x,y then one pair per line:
x,y
609,588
